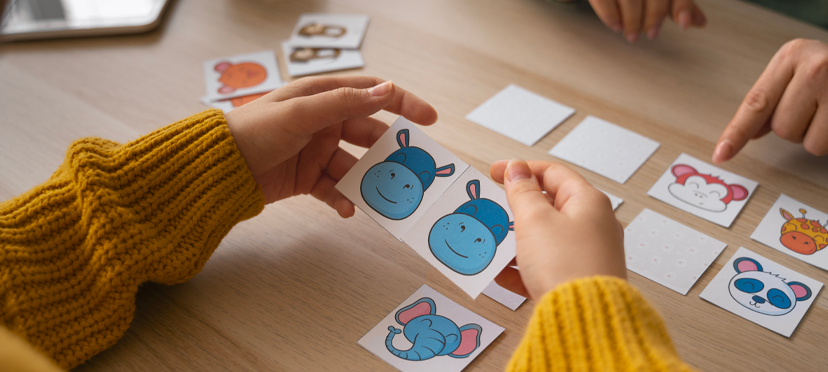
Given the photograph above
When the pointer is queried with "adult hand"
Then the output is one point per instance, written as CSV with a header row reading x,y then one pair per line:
x,y
290,137
790,98
569,233
636,16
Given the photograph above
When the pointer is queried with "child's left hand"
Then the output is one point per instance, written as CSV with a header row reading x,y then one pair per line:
x,y
290,137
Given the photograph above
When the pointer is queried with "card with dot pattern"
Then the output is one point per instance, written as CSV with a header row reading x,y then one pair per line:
x,y
605,148
668,252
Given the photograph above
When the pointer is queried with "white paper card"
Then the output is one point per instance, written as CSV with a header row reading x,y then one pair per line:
x,y
467,233
614,200
504,296
435,334
795,229
668,252
241,75
320,30
305,61
703,190
520,114
400,177
762,291
228,105
605,148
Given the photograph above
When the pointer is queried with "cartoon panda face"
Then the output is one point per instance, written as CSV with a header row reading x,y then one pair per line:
x,y
764,292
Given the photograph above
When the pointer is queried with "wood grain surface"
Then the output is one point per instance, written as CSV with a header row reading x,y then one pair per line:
x,y
296,287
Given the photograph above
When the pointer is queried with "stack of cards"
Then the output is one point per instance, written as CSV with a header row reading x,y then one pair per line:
x,y
236,80
325,42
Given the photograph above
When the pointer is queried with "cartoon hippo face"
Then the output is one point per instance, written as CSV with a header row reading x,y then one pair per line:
x,y
240,75
704,191
763,292
466,241
432,335
395,187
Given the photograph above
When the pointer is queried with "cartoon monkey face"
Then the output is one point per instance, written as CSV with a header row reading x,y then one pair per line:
x,y
704,191
240,75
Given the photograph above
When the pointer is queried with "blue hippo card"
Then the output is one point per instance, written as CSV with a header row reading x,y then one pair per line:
x,y
468,233
429,332
400,177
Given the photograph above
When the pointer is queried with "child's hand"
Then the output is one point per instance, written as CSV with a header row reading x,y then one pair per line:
x,y
790,98
290,137
569,233
636,16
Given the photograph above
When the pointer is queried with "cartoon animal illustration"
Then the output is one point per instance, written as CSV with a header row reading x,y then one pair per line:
x,y
802,235
305,55
432,335
240,75
466,241
241,101
763,292
316,29
395,187
703,190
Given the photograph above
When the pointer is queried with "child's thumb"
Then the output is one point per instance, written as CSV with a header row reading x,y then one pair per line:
x,y
524,193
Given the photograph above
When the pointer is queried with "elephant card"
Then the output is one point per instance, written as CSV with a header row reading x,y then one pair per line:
x,y
762,291
400,177
703,190
795,229
241,75
467,234
429,332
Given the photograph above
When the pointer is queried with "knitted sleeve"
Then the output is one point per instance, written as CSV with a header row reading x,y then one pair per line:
x,y
595,324
74,250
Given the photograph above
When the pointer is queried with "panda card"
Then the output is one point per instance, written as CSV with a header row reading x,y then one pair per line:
x,y
430,332
795,229
241,75
400,177
762,291
467,234
703,190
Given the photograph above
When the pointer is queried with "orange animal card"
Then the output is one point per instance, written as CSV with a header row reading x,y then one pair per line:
x,y
241,75
796,229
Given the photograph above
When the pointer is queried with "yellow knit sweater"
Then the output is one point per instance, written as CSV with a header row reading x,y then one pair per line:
x,y
74,250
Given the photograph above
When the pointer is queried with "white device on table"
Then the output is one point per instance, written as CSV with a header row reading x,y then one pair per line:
x,y
46,19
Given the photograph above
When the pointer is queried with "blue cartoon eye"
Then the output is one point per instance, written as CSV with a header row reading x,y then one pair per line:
x,y
749,285
779,299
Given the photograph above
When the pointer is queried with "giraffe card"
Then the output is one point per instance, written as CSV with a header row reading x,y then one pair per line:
x,y
668,252
605,148
400,177
322,30
796,229
241,75
302,61
703,190
430,332
762,291
467,233
519,114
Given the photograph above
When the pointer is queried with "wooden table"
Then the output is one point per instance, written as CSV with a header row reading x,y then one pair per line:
x,y
296,287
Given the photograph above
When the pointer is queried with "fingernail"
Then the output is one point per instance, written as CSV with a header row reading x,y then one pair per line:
x,y
631,36
381,89
684,19
517,170
616,27
653,33
722,151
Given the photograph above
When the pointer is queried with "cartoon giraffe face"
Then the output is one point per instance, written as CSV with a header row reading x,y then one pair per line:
x,y
240,75
802,235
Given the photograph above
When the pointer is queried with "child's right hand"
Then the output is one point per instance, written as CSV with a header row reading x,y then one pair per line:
x,y
569,233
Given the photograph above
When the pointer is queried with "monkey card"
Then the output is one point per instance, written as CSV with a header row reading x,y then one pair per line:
x,y
241,75
430,332
400,177
305,61
467,234
762,291
703,190
605,148
317,30
668,252
796,229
